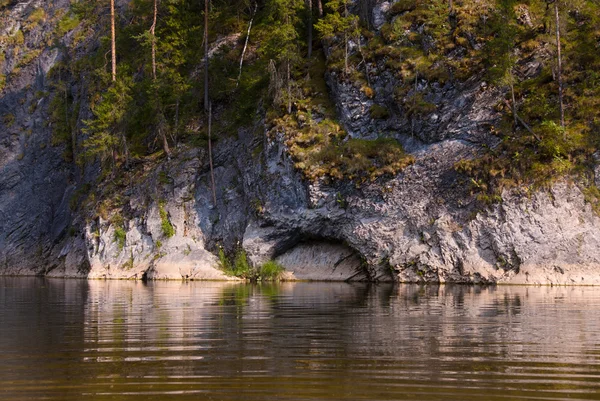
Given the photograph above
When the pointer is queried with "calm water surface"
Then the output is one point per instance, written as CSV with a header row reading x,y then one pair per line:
x,y
117,340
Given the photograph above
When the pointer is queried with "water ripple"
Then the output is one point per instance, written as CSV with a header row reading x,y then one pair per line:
x,y
73,340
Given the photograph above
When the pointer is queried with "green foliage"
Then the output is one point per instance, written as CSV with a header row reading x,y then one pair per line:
x,y
165,224
339,26
270,271
68,22
422,45
544,151
240,267
105,130
223,261
337,21
120,236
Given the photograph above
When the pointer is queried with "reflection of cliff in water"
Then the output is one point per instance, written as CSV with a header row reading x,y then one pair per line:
x,y
96,340
276,327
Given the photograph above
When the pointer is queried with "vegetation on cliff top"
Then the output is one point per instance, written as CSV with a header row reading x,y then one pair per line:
x,y
267,59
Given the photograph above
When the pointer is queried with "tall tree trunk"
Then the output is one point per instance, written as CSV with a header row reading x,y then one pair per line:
x,y
206,99
210,159
246,44
153,33
310,27
559,71
346,50
162,130
514,100
125,148
113,40
289,87
289,76
362,55
208,105
320,8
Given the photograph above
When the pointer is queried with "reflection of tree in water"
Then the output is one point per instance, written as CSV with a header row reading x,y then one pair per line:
x,y
335,336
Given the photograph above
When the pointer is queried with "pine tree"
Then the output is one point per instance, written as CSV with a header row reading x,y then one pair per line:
x,y
106,131
338,24
284,40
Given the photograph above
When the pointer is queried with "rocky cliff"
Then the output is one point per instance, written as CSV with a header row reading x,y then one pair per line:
x,y
421,225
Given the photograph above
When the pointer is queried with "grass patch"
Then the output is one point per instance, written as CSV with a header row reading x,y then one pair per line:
x,y
271,271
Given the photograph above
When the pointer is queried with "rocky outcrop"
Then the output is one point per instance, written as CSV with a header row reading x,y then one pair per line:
x,y
422,225
36,182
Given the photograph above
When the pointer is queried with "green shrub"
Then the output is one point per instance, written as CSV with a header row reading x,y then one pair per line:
x,y
270,271
223,261
120,237
67,23
167,228
240,266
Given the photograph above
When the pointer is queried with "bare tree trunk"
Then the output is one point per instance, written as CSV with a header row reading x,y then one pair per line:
x,y
559,72
514,101
524,124
153,33
206,99
412,119
162,131
289,85
113,40
362,55
346,50
246,44
210,159
207,104
163,134
125,148
310,27
176,130
320,8
346,55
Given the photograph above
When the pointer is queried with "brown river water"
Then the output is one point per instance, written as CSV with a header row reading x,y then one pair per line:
x,y
122,340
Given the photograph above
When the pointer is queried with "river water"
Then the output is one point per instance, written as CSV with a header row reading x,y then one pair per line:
x,y
123,340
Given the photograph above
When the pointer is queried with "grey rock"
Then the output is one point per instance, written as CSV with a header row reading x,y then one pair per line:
x,y
380,14
323,262
422,225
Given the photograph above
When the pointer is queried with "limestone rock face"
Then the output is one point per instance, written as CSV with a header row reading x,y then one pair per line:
x,y
422,225
322,262
164,239
36,183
